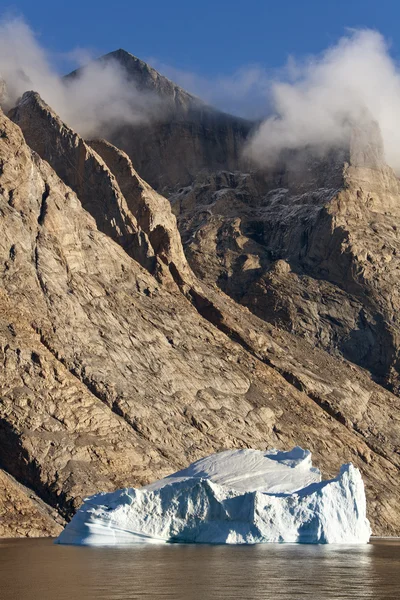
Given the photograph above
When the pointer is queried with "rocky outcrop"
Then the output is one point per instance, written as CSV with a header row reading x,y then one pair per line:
x,y
23,514
98,187
152,211
83,171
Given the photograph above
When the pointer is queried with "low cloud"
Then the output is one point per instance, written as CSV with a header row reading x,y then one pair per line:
x,y
99,99
310,103
314,103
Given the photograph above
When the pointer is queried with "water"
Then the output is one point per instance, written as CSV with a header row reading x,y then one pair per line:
x,y
40,570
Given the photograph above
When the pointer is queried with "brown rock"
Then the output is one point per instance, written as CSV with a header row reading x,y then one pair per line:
x,y
152,211
84,172
23,514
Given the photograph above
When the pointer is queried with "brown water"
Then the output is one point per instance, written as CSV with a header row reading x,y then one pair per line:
x,y
40,570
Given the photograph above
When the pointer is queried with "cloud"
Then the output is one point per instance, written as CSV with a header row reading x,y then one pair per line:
x,y
311,102
99,99
316,101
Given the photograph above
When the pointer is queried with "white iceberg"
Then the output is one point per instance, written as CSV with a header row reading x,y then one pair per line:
x,y
233,497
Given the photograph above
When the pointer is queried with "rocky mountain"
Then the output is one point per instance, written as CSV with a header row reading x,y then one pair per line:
x,y
123,363
147,80
184,135
139,220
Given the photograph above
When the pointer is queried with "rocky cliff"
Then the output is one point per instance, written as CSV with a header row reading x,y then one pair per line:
x,y
311,247
153,242
120,366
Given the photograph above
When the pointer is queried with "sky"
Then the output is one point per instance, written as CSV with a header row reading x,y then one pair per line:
x,y
309,70
210,38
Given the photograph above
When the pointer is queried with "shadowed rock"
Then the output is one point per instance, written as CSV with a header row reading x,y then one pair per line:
x,y
332,220
183,136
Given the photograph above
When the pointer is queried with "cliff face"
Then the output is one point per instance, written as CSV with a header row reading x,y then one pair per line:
x,y
153,212
169,155
121,366
23,514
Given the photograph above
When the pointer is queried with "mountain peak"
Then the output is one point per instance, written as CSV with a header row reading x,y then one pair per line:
x,y
147,79
129,61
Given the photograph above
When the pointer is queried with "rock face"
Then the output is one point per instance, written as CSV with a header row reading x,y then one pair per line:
x,y
312,248
85,171
119,366
23,514
152,211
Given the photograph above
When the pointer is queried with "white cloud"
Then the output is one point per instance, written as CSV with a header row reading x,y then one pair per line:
x,y
319,99
99,99
311,102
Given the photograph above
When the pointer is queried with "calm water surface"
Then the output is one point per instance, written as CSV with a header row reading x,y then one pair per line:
x,y
40,570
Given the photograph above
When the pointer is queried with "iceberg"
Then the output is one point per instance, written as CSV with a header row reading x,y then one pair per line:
x,y
232,497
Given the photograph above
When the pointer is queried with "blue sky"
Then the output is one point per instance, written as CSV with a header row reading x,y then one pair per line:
x,y
209,38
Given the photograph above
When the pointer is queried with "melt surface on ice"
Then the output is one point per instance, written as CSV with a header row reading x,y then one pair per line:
x,y
233,497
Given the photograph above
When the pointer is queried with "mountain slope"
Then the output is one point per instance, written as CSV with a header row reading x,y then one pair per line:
x,y
112,377
146,79
81,168
311,247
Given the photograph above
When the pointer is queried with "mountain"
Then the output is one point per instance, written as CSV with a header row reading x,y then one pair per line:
x,y
185,135
123,357
310,245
